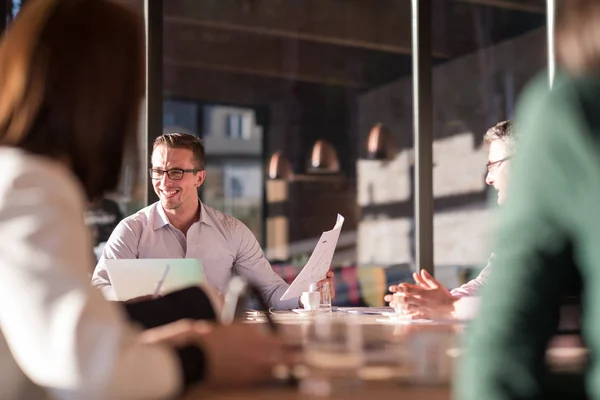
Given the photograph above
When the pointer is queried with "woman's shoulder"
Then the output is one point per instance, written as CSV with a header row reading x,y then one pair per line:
x,y
36,176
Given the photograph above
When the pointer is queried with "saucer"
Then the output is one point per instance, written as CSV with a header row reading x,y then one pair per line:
x,y
392,315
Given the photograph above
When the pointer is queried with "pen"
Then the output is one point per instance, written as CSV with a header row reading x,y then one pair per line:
x,y
160,282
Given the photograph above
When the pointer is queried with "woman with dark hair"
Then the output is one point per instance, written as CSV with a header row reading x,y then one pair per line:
x,y
71,84
549,231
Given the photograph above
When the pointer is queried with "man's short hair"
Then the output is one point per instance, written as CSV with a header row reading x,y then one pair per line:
x,y
503,131
183,141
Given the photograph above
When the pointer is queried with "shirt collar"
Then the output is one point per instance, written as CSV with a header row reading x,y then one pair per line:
x,y
161,219
205,217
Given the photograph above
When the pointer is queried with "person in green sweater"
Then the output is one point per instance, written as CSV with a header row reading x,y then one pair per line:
x,y
549,228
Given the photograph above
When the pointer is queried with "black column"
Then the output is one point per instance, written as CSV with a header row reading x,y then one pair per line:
x,y
153,10
423,132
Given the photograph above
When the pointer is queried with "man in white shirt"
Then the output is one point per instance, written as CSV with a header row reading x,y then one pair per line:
x,y
428,297
179,225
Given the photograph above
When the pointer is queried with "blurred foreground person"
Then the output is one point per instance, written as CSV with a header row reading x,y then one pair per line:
x,y
71,84
549,230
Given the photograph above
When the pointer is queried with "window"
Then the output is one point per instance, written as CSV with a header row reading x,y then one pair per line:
x,y
180,116
237,189
16,7
234,125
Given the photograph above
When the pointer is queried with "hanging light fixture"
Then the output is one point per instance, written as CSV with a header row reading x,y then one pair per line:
x,y
323,158
280,167
380,144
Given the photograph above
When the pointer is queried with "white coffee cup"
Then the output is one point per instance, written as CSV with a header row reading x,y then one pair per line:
x,y
466,308
311,300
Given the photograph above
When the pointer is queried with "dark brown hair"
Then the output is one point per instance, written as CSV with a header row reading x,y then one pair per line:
x,y
578,36
503,131
71,82
183,141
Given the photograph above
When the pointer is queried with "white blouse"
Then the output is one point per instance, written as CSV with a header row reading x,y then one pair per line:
x,y
58,337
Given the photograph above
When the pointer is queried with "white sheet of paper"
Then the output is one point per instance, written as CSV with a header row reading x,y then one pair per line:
x,y
319,262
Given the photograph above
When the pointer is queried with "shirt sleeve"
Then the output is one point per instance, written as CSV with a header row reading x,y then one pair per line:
x,y
252,264
506,344
62,333
473,287
122,244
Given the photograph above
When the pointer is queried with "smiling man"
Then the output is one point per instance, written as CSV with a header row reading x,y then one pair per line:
x,y
179,225
428,298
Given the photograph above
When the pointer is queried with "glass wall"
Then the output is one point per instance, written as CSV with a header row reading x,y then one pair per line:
x,y
233,140
306,111
130,196
498,48
283,94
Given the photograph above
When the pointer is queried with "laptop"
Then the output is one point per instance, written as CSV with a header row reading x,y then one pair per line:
x,y
132,278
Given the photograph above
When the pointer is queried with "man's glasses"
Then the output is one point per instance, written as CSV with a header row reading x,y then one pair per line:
x,y
173,173
496,164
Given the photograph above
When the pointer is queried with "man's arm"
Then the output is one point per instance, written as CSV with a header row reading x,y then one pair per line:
x,y
252,264
122,244
473,287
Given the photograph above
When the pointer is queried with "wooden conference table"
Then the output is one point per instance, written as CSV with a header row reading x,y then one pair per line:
x,y
294,328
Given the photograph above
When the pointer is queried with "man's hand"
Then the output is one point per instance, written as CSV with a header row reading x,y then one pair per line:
x,y
428,298
236,355
328,279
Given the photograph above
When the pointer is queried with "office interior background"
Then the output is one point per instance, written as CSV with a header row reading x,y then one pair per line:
x,y
307,109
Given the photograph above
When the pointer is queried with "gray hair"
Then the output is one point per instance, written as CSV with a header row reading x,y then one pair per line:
x,y
504,131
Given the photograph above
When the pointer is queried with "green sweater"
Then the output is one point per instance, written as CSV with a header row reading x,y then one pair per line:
x,y
549,232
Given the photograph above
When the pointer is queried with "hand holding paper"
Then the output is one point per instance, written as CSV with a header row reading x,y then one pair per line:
x,y
318,264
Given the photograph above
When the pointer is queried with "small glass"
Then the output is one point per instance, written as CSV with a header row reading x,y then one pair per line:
x,y
431,353
325,291
384,354
400,305
333,356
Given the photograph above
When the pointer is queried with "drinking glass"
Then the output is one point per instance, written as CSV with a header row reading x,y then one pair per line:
x,y
325,291
333,355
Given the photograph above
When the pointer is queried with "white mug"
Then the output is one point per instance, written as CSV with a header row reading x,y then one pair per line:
x,y
311,300
466,308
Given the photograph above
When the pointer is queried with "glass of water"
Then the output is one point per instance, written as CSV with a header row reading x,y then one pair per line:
x,y
400,306
325,291
333,355
431,354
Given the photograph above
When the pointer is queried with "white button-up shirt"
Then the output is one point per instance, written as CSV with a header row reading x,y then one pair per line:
x,y
223,244
57,330
473,287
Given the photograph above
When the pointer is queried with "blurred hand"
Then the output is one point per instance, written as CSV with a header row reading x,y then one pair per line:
x,y
236,355
240,354
328,279
428,298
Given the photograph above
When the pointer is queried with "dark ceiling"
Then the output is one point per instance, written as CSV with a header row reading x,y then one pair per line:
x,y
252,51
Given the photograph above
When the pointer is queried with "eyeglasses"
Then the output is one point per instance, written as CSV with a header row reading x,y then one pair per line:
x,y
496,164
173,173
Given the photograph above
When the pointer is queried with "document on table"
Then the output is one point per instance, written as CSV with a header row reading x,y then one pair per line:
x,y
318,264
